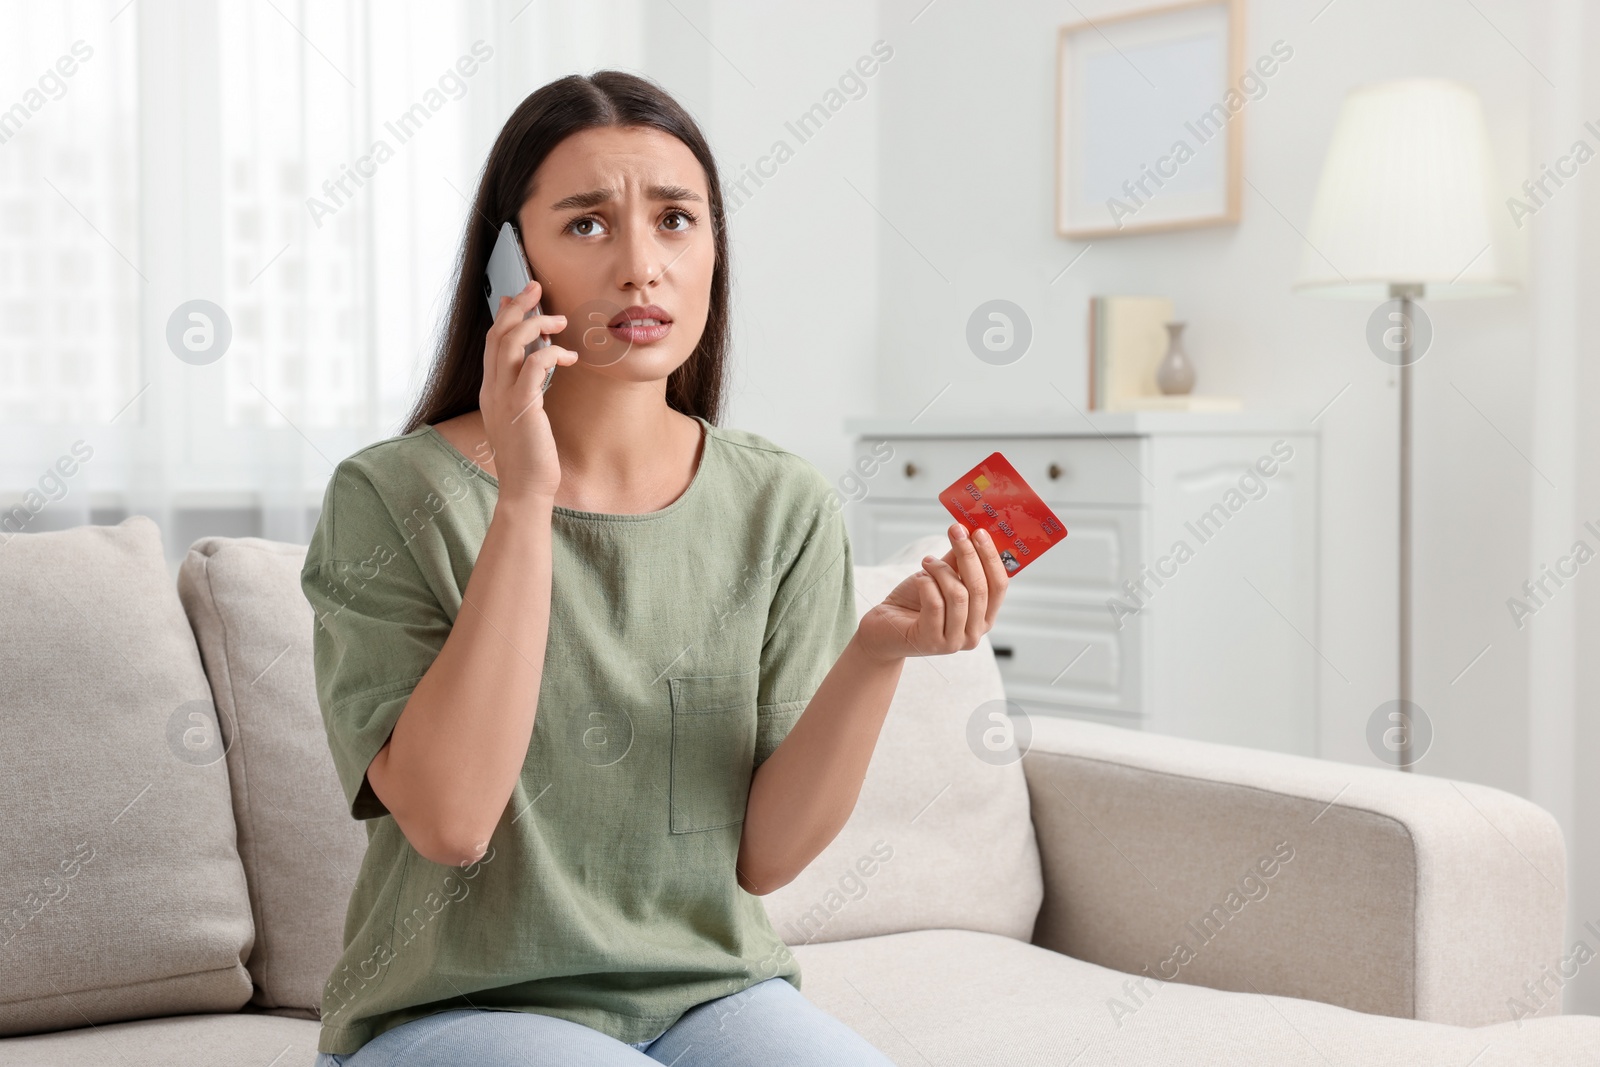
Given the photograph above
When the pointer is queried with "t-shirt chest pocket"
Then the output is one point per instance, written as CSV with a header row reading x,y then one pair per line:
x,y
713,749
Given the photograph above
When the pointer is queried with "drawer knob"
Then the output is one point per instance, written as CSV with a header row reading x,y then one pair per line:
x,y
1002,651
911,470
1054,470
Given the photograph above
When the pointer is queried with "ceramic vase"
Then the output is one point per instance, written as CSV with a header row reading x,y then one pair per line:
x,y
1175,375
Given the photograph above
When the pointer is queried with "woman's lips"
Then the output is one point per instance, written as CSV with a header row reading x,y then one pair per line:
x,y
637,333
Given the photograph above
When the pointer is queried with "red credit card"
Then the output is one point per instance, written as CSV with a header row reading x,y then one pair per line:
x,y
994,496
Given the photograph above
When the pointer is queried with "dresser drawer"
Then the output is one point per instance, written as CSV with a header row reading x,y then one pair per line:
x,y
1068,658
1062,470
1102,550
879,530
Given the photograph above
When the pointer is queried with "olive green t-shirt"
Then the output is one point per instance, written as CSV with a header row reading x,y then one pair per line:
x,y
684,644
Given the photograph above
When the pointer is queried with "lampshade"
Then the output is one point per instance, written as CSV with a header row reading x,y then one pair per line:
x,y
1404,197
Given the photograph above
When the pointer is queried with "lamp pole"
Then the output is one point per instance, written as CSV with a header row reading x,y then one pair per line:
x,y
1405,293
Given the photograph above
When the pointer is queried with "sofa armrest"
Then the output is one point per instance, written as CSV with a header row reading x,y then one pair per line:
x,y
1246,870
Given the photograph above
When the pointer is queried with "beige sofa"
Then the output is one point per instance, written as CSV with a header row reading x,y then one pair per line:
x,y
176,876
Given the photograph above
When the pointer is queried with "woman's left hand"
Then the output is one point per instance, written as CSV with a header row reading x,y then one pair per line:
x,y
943,608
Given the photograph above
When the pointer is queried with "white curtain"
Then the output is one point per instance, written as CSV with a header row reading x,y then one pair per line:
x,y
303,168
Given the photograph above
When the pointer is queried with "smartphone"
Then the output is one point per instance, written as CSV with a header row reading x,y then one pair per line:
x,y
508,275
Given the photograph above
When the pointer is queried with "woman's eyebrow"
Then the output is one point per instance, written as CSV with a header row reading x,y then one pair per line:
x,y
584,201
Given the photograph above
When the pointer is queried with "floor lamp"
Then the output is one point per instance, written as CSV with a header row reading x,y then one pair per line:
x,y
1402,213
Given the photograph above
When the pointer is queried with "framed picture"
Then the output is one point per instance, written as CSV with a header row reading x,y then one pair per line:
x,y
1149,119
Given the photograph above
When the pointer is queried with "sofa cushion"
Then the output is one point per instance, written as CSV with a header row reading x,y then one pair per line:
x,y
234,1040
959,997
122,890
939,837
300,848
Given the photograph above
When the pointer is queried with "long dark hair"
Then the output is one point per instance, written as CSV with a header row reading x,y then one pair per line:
x,y
548,116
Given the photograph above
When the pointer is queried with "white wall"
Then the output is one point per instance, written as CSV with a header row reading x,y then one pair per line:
x,y
1563,271
804,246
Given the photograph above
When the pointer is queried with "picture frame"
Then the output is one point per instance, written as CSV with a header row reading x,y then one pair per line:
x,y
1130,89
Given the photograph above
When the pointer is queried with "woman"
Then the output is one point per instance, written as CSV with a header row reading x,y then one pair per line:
x,y
565,640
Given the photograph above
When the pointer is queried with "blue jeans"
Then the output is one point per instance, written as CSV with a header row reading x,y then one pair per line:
x,y
771,1023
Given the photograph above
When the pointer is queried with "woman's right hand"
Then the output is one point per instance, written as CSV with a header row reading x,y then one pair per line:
x,y
520,441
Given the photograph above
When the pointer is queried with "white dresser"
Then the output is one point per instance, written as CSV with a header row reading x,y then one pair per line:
x,y
1184,599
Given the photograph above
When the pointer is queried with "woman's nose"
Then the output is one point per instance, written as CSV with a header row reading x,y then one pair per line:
x,y
641,259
